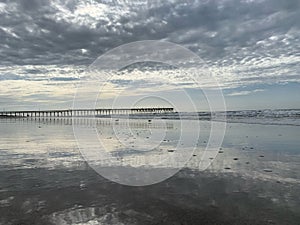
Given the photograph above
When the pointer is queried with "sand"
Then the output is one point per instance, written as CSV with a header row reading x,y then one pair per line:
x,y
45,180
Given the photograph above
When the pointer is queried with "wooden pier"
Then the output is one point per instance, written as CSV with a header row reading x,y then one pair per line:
x,y
84,112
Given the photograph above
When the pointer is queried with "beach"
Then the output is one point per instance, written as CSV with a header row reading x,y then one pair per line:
x,y
45,178
118,112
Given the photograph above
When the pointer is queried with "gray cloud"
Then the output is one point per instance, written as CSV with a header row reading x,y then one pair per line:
x,y
56,31
11,76
245,42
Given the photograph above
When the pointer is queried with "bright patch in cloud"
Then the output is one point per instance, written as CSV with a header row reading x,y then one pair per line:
x,y
244,92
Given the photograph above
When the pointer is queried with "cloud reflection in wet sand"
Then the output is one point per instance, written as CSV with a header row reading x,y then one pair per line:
x,y
44,180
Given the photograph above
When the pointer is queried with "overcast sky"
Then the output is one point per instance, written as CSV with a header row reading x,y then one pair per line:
x,y
252,47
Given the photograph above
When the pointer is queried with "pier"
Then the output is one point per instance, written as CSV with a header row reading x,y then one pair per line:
x,y
84,112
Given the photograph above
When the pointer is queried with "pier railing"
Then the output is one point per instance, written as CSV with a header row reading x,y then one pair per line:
x,y
84,112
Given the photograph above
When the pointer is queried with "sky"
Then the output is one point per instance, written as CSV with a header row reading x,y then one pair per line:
x,y
251,47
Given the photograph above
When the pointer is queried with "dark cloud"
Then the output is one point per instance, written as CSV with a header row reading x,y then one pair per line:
x,y
244,42
57,32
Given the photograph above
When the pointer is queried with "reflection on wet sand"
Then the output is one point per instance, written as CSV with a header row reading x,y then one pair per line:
x,y
44,180
88,122
80,196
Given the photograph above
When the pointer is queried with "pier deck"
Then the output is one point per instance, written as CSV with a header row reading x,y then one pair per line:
x,y
83,112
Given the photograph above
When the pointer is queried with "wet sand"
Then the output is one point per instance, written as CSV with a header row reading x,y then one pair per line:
x,y
41,196
253,180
